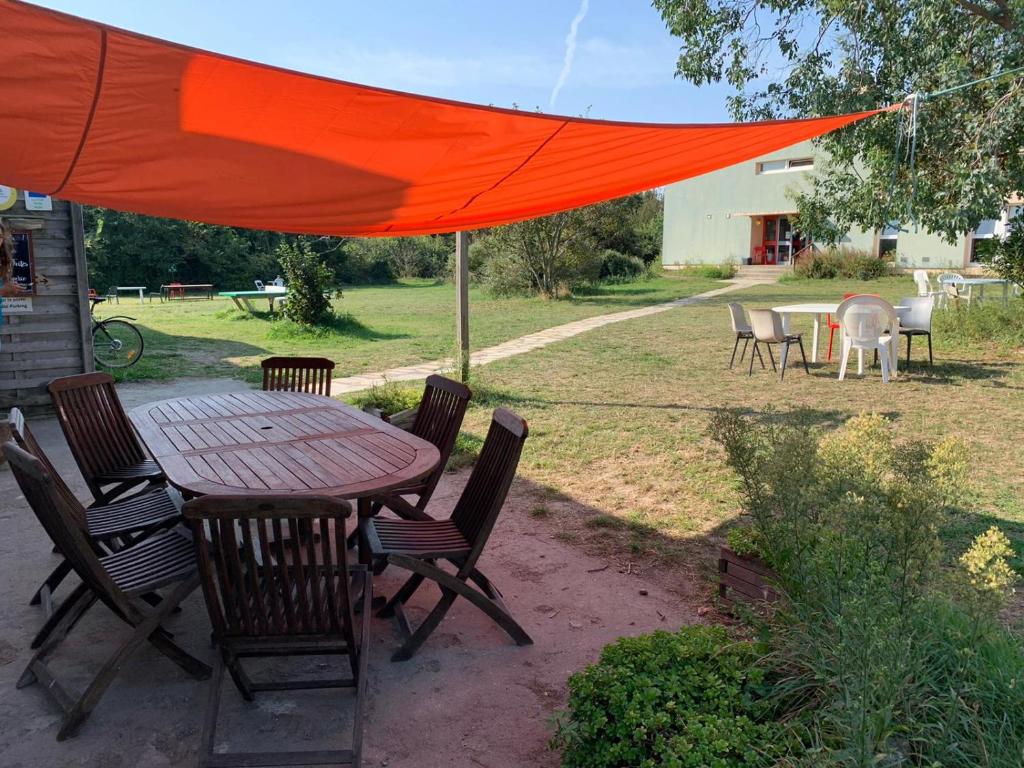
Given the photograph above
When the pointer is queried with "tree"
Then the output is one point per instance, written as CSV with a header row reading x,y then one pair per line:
x,y
789,58
309,280
550,255
1006,257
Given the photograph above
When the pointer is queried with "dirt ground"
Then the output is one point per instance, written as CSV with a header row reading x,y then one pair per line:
x,y
469,698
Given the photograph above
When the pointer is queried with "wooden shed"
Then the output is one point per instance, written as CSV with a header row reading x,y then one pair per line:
x,y
45,329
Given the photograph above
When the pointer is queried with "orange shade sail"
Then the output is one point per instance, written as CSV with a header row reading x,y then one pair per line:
x,y
107,117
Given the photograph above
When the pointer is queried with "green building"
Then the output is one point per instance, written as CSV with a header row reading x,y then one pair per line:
x,y
742,214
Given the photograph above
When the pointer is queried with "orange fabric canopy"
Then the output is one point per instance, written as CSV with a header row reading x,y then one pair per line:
x,y
103,116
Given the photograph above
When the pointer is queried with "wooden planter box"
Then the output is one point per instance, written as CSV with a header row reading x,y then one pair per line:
x,y
744,578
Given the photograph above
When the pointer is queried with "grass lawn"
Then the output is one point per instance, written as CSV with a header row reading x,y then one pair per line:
x,y
618,456
380,327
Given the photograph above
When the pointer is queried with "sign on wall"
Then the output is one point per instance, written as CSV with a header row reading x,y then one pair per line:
x,y
15,305
24,274
8,197
36,201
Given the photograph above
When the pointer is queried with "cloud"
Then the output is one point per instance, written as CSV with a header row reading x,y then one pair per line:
x,y
570,51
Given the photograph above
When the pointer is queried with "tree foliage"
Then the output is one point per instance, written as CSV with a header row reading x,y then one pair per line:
x,y
788,58
309,280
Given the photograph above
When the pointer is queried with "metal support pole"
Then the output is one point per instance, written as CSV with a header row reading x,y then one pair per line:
x,y
462,301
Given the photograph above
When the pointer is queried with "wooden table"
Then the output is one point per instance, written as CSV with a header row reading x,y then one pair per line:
x,y
242,298
280,443
170,290
131,289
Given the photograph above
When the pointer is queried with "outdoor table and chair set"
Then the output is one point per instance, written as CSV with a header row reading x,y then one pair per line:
x,y
247,495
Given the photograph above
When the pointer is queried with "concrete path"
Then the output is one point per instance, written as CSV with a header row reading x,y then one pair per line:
x,y
527,343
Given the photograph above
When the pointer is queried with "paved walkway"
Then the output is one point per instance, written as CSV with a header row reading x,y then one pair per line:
x,y
526,343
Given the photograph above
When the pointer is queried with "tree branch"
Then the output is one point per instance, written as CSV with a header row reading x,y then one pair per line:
x,y
999,15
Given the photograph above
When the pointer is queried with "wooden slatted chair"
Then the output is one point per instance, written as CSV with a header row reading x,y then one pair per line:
x,y
109,527
298,374
438,420
277,583
100,436
417,545
119,581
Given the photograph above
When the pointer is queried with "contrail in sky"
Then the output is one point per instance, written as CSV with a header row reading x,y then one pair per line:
x,y
570,51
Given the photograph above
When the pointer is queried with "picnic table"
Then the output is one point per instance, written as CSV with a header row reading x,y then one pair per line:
x,y
243,301
131,288
280,443
178,290
981,282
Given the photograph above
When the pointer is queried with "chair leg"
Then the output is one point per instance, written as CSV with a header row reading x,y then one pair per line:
x,y
746,341
783,357
831,337
770,357
452,587
803,356
76,606
735,346
750,368
48,587
212,709
885,365
844,357
58,615
930,360
401,596
909,339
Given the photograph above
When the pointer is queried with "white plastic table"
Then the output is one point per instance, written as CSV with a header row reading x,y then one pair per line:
x,y
140,288
981,282
819,310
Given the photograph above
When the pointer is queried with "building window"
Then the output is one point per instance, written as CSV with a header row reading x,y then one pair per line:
x,y
887,240
785,166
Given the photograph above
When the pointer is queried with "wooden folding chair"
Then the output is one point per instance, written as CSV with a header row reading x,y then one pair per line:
x,y
277,583
298,374
438,421
417,545
109,528
100,436
119,580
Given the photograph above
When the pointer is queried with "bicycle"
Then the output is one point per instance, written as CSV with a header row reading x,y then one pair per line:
x,y
116,343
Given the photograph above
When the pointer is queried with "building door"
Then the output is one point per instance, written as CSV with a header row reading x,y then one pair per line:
x,y
778,240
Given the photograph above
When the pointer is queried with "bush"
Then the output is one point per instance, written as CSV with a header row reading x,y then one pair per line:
x,y
389,398
892,655
692,698
309,282
1006,257
981,323
619,268
711,271
832,263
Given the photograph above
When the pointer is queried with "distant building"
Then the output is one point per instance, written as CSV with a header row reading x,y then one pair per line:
x,y
743,214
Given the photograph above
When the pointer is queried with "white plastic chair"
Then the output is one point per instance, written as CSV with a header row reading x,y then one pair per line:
x,y
953,289
741,328
768,329
866,324
259,285
917,321
924,285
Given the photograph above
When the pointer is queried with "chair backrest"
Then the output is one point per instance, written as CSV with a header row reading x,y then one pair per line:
x,y
58,520
259,285
739,320
96,427
951,277
298,374
766,325
924,283
865,318
919,314
439,419
484,494
27,442
273,566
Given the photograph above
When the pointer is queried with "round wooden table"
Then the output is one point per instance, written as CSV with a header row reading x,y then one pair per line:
x,y
260,443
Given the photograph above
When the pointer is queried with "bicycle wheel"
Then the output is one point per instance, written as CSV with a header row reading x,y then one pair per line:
x,y
116,344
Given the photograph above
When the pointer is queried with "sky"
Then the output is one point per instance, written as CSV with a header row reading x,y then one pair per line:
x,y
608,59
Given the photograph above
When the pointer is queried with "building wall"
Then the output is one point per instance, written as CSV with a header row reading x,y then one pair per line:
x,y
711,219
53,339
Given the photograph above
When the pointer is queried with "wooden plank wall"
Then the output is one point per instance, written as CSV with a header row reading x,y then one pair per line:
x,y
54,339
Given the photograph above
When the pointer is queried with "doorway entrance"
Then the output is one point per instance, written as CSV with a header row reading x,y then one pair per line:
x,y
779,241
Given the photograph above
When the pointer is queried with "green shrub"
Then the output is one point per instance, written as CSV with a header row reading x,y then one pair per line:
x,y
309,282
832,263
892,655
682,700
1006,257
389,398
711,271
619,268
744,541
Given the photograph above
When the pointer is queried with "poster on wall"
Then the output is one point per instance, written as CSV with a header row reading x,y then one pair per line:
x,y
15,305
24,274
